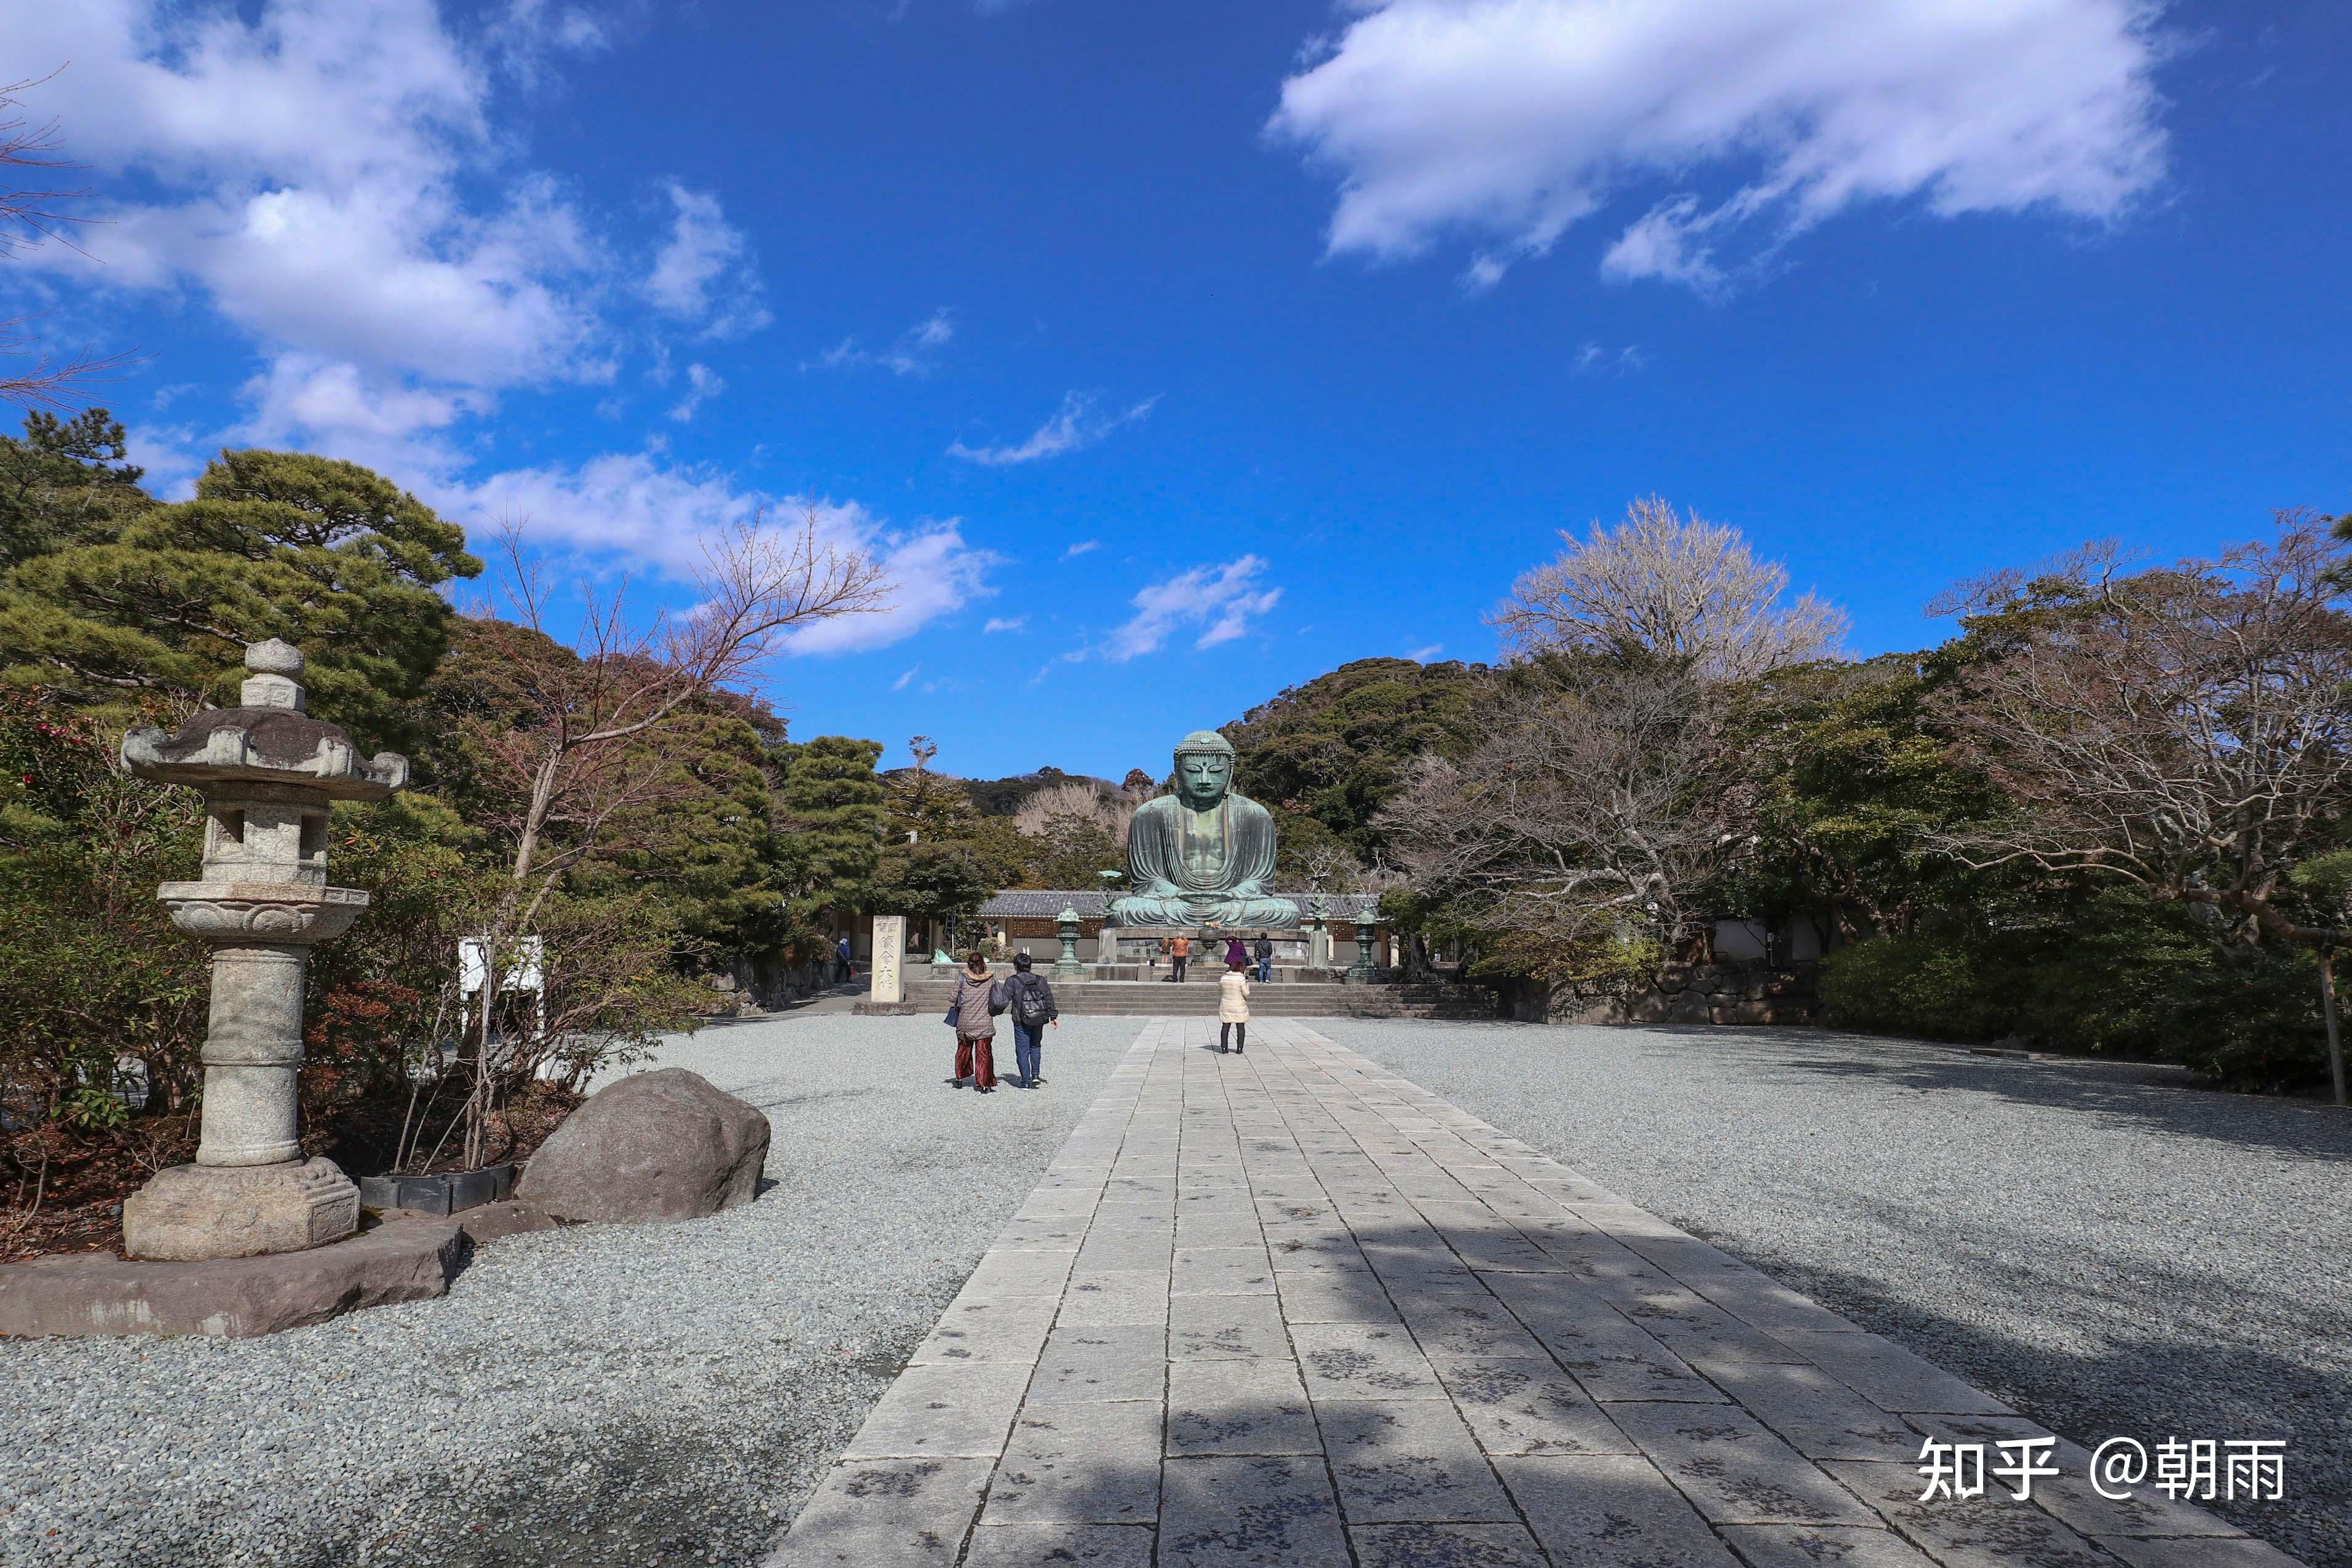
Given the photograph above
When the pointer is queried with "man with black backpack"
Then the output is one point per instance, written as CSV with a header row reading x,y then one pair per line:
x,y
1030,1000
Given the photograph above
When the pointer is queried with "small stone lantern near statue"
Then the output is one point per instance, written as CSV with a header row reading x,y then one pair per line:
x,y
1363,971
268,773
1068,966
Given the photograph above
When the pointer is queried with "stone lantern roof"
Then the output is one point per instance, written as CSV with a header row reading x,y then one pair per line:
x,y
266,739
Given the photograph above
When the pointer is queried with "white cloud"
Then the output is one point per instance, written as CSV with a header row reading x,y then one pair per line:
x,y
914,352
932,572
1220,600
702,385
1423,655
1081,548
1505,122
302,392
1077,425
628,506
379,419
331,175
704,276
171,455
531,30
334,177
328,175
1592,358
1005,624
901,683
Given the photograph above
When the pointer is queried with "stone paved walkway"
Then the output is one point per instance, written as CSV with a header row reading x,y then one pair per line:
x,y
1287,1308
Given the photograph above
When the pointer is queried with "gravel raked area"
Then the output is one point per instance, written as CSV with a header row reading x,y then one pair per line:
x,y
2113,1252
597,1396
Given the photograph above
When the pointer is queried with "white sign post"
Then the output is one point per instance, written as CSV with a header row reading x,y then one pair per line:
x,y
526,969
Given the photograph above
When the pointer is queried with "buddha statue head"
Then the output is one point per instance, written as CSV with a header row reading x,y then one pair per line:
x,y
1204,769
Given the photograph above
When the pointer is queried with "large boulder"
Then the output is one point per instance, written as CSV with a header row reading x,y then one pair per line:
x,y
655,1146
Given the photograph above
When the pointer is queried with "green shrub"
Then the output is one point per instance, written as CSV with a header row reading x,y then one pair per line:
x,y
2122,976
1915,985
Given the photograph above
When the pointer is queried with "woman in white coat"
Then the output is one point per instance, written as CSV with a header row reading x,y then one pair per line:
x,y
1233,1006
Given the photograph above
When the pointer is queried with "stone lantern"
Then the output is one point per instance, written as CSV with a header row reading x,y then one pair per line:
x,y
1068,966
268,773
1363,971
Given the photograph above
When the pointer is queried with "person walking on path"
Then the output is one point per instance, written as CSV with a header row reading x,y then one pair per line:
x,y
844,963
1264,957
1233,1006
1031,1002
973,1009
1178,949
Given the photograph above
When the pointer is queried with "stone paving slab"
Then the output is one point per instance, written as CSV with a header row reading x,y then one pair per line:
x,y
1287,1308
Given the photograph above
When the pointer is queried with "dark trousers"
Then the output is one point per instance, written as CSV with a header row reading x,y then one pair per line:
x,y
976,1059
1237,1033
1177,962
1026,1042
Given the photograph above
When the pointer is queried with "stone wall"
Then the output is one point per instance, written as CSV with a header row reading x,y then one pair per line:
x,y
1736,993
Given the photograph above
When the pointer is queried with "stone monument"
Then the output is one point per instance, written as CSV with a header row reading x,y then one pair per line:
x,y
889,959
268,772
1204,855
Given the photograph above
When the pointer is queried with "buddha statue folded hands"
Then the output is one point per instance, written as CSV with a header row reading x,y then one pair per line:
x,y
1204,855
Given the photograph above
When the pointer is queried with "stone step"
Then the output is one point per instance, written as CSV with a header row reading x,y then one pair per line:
x,y
1116,998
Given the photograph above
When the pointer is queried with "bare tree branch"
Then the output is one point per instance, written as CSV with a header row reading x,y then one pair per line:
x,y
30,216
1687,593
1609,815
2188,730
600,739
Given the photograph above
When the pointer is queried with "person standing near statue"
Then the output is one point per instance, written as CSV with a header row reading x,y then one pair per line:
x,y
972,1010
1178,949
1030,999
1237,951
1233,1006
1265,955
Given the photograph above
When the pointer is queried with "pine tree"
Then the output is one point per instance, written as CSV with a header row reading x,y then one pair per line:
x,y
65,482
830,823
324,553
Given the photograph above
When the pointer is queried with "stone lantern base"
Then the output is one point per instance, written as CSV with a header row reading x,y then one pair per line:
x,y
192,1211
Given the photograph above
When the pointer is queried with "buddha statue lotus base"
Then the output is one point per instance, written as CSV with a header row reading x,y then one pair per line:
x,y
1187,916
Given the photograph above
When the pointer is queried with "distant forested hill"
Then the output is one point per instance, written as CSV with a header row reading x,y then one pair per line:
x,y
1333,751
1005,798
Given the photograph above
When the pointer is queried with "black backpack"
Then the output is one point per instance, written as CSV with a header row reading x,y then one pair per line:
x,y
1029,1009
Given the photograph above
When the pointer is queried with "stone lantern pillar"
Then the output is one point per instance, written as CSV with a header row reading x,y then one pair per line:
x,y
268,773
1363,971
1068,966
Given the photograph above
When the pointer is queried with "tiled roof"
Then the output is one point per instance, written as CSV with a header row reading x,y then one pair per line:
x,y
1045,904
1030,904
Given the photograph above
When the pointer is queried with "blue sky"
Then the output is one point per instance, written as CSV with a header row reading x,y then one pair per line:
x,y
1173,355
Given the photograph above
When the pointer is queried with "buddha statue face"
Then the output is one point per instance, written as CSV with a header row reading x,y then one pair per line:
x,y
1203,774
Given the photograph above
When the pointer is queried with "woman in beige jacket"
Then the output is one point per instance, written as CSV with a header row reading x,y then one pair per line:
x,y
973,1008
1233,1008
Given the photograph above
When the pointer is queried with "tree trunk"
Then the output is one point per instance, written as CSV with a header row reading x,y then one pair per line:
x,y
2327,1001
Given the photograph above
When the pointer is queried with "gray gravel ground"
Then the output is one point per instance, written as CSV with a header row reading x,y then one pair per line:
x,y
601,1396
2111,1251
